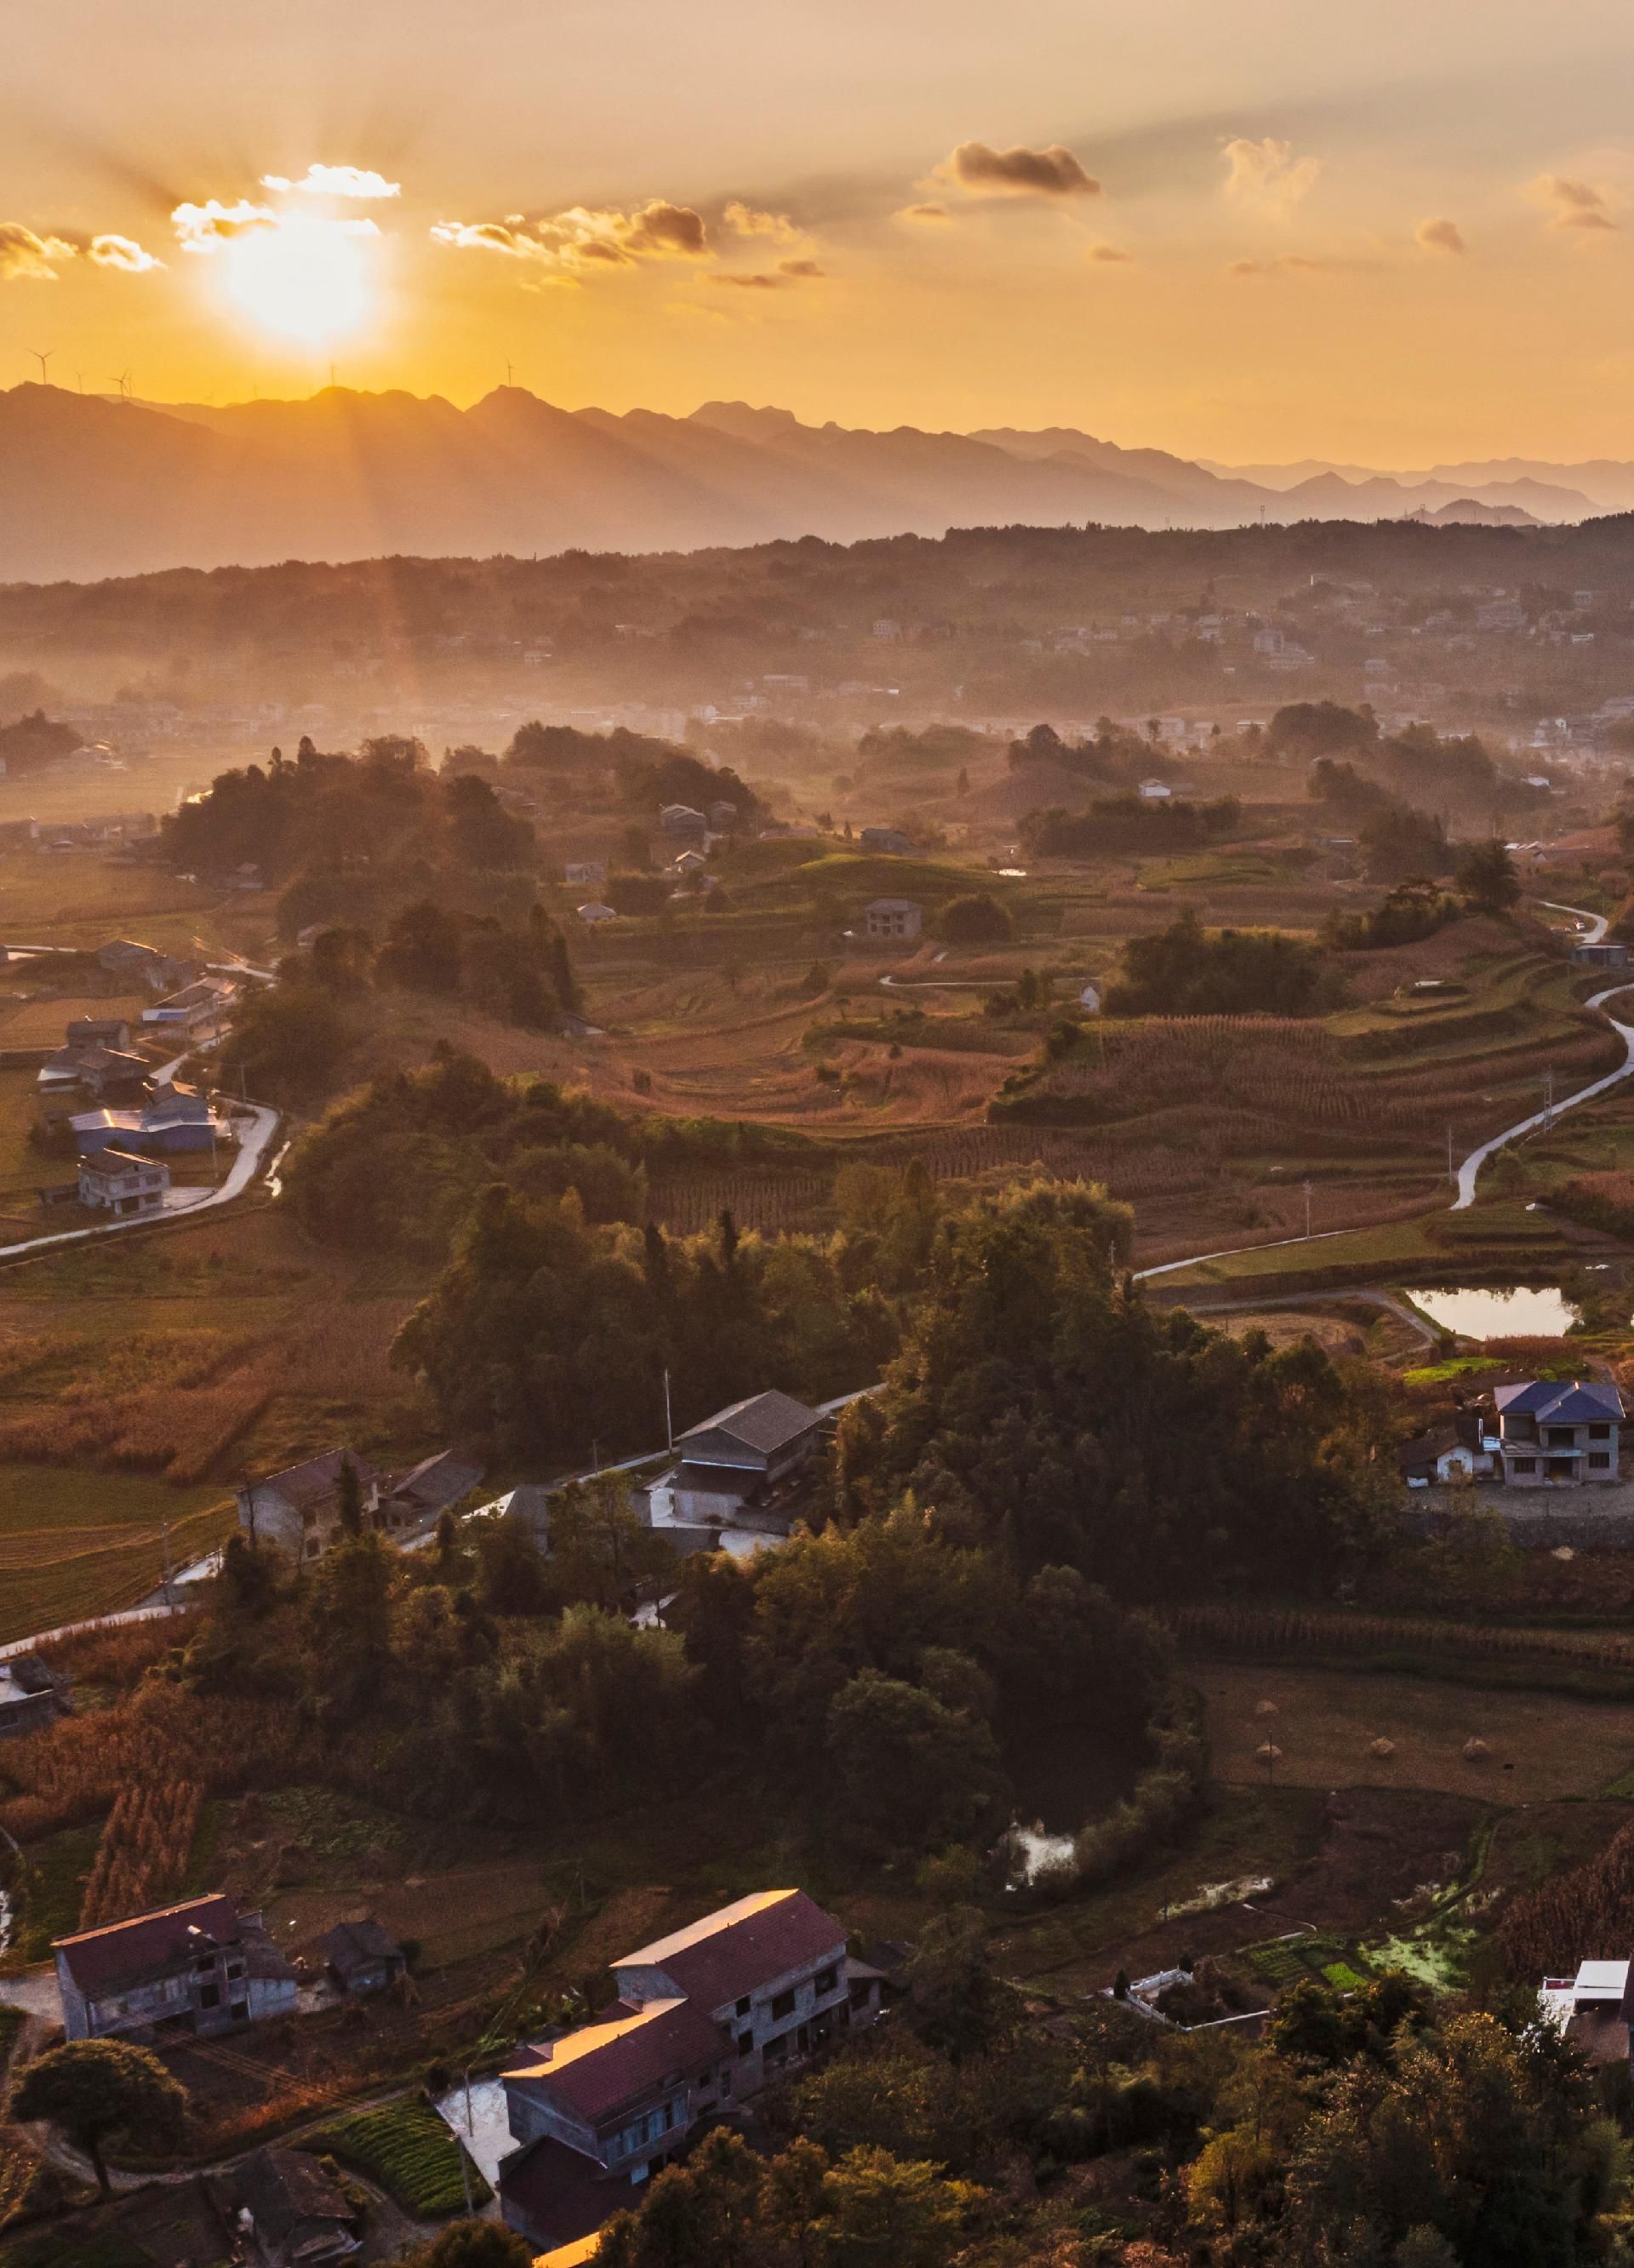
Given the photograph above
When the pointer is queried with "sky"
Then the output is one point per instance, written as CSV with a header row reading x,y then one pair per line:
x,y
1392,236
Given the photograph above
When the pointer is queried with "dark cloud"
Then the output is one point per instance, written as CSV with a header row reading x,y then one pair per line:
x,y
583,236
799,268
665,229
1019,173
1574,204
1108,253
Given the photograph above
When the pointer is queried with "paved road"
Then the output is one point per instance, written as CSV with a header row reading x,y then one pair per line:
x,y
1472,1164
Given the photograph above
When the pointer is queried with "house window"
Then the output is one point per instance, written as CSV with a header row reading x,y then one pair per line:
x,y
1600,1461
827,1979
782,2006
1600,1432
235,1968
746,2044
743,2006
1562,1437
1523,1464
210,1996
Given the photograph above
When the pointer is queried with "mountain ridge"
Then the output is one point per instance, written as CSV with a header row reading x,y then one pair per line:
x,y
91,488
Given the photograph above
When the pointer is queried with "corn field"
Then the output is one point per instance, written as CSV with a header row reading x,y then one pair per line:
x,y
142,1860
1270,1631
1574,1917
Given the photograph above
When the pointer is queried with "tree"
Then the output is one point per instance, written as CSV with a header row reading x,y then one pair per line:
x,y
976,919
423,950
909,1772
348,1499
703,2214
960,2005
93,2088
1486,879
881,2212
473,2244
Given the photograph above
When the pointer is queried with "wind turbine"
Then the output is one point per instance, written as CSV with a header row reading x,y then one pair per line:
x,y
123,383
42,359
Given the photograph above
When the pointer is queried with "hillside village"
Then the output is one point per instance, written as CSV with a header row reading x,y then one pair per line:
x,y
1002,1452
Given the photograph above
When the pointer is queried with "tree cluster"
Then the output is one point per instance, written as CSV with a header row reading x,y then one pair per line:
x,y
1118,825
1183,970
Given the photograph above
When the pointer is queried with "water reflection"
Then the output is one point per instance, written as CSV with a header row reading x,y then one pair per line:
x,y
1525,1311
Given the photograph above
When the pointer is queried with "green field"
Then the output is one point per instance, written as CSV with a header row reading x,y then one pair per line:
x,y
75,1544
406,2148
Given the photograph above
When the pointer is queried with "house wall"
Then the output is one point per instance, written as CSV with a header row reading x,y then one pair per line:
x,y
534,2114
1520,1448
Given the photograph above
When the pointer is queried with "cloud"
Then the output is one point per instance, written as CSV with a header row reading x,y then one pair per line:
x,y
569,243
26,258
1439,236
744,220
1302,263
924,213
120,252
1267,174
206,228
1106,254
984,172
1574,204
334,181
788,271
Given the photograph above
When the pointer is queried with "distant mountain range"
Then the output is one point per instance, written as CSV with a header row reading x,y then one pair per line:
x,y
91,488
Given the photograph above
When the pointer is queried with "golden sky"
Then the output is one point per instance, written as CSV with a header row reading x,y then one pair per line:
x,y
1388,235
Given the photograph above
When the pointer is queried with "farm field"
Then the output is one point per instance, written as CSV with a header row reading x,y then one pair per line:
x,y
75,1544
1541,1746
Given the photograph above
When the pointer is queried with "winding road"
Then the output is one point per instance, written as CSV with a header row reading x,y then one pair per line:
x,y
1594,933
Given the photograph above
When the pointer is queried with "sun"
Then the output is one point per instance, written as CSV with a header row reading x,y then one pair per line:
x,y
307,280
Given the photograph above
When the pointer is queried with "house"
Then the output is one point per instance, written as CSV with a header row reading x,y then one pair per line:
x,y
723,817
1610,953
298,1511
1089,999
595,913
197,1967
1594,2009
703,2018
684,823
294,2212
737,1464
177,1117
100,1032
893,918
436,1484
197,1008
689,862
530,1504
118,1182
582,873
1555,1435
141,964
1445,1454
363,1957
1154,791
93,1070
32,1697
891,840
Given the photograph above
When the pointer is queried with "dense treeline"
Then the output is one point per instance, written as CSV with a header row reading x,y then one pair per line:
x,y
1184,971
626,770
1119,824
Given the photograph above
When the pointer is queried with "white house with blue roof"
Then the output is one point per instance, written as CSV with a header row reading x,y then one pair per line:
x,y
1558,1433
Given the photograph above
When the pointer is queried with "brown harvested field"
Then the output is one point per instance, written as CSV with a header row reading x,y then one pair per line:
x,y
1286,1326
38,1020
1542,1747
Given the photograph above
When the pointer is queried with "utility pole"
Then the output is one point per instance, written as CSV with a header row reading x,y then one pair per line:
x,y
669,1421
1548,1103
1307,1209
164,1534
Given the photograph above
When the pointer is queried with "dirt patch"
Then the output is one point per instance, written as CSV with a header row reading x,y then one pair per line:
x,y
455,1917
1329,1724
1286,1326
1531,1847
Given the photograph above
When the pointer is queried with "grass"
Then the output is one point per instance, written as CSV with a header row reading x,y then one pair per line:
x,y
49,1905
407,2148
74,1544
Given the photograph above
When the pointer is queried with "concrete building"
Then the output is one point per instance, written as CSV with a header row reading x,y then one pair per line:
x,y
1555,1435
895,919
299,1510
32,1697
199,1966
117,1182
735,1467
703,2018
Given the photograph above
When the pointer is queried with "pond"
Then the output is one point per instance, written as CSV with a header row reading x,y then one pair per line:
x,y
1524,1311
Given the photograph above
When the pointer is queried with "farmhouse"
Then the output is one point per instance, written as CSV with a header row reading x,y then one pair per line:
x,y
141,964
702,2020
98,1032
32,1697
1610,953
894,917
298,1511
737,1465
583,873
1553,1435
888,839
293,2212
197,1967
118,1182
1594,2008
1446,1453
195,1008
91,1070
363,1957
